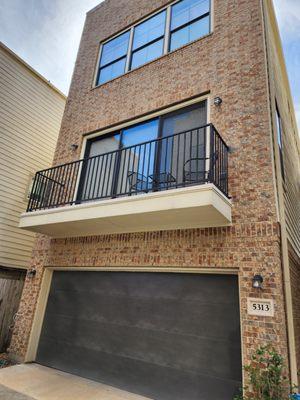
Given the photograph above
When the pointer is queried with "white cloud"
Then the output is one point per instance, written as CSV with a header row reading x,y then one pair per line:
x,y
46,34
288,16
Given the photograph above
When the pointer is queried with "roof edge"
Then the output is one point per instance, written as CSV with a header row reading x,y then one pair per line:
x,y
31,69
96,7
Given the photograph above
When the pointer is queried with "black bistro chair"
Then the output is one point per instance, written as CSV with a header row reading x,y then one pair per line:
x,y
138,182
194,170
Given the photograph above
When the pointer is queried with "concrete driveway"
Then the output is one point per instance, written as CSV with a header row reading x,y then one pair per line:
x,y
32,381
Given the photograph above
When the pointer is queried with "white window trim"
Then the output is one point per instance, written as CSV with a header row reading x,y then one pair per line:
x,y
167,36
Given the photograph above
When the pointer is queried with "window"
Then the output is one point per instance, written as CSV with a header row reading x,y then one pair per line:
x,y
113,58
148,41
178,24
279,138
144,157
189,21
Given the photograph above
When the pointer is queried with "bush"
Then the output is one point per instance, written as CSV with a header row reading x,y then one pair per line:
x,y
266,376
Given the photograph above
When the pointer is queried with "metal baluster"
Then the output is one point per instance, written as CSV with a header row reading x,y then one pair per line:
x,y
177,162
30,206
73,180
92,168
101,162
149,162
105,159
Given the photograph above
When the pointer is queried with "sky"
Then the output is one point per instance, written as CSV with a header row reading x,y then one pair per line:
x,y
46,34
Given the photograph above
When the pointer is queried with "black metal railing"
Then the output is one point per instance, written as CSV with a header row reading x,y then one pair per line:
x,y
188,158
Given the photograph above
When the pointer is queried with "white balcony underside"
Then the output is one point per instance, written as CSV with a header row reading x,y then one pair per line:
x,y
193,207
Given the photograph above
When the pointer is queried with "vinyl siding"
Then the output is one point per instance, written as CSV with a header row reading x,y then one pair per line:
x,y
30,116
290,182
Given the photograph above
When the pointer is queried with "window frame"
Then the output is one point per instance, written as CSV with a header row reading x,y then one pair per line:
x,y
124,125
186,24
150,43
125,56
279,138
166,39
119,130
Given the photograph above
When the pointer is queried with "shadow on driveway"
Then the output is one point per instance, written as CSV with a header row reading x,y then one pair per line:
x,y
8,394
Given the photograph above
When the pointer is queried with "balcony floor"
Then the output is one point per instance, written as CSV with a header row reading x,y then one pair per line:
x,y
199,206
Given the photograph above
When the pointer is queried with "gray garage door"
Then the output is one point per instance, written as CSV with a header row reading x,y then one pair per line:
x,y
164,336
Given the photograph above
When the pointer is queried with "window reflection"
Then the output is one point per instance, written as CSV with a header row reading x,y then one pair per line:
x,y
148,40
189,21
113,58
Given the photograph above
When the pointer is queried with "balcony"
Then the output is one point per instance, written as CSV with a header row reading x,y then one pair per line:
x,y
174,182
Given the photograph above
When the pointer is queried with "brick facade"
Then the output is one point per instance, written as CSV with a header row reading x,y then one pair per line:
x,y
229,63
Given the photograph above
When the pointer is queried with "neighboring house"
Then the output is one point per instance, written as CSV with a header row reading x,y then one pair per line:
x,y
31,110
174,193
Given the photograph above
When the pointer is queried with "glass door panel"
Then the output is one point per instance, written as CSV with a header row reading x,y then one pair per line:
x,y
182,158
137,158
98,172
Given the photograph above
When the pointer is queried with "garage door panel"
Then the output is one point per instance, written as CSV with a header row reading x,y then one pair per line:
x,y
150,379
160,348
149,313
165,336
142,286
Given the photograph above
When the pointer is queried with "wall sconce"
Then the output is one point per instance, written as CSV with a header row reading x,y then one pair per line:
x,y
257,282
218,101
31,273
74,147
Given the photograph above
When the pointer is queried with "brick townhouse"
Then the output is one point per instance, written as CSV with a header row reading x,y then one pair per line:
x,y
168,228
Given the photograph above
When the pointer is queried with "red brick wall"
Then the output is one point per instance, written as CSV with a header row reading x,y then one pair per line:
x,y
229,63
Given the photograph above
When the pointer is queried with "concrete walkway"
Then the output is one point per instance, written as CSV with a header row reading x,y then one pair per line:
x,y
34,382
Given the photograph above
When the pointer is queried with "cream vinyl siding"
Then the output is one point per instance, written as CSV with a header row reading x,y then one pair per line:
x,y
280,93
291,186
31,110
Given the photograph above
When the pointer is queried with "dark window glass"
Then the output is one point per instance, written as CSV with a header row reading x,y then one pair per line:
x,y
279,138
279,128
189,21
148,40
180,154
113,58
97,178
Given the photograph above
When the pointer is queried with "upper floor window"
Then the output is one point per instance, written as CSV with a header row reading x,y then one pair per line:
x,y
178,24
189,21
113,58
148,40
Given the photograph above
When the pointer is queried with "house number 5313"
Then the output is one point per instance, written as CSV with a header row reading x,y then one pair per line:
x,y
260,307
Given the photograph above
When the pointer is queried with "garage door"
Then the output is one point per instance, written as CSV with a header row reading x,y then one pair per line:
x,y
164,336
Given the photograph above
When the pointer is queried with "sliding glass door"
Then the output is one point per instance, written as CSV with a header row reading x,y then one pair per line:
x,y
167,151
137,158
182,157
98,172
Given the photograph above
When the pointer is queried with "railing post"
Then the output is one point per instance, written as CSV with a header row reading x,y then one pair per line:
x,y
32,190
211,154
